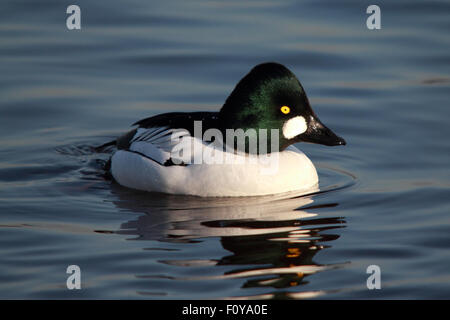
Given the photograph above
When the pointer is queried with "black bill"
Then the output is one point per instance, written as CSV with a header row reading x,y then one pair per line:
x,y
318,133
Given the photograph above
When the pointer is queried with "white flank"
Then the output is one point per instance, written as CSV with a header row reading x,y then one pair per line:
x,y
294,171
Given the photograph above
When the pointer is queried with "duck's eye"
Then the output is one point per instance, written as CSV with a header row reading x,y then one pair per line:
x,y
285,109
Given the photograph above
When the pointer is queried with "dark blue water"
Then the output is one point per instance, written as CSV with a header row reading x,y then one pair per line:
x,y
385,196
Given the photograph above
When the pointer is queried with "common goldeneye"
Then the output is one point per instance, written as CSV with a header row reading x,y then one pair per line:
x,y
245,149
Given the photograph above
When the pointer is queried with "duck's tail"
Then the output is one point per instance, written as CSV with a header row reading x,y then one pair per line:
x,y
104,146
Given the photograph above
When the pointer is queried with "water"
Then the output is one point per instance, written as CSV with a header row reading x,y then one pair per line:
x,y
385,196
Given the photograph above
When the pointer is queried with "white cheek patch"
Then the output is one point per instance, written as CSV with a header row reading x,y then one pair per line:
x,y
294,127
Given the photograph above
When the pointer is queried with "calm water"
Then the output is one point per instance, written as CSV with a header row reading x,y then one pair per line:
x,y
385,197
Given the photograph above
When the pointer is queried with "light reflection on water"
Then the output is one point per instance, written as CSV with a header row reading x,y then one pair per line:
x,y
269,241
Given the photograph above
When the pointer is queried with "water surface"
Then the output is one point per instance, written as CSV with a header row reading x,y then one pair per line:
x,y
384,200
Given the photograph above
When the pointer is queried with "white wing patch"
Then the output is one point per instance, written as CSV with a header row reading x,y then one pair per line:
x,y
157,143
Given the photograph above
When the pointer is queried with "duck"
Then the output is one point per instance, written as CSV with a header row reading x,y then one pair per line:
x,y
245,149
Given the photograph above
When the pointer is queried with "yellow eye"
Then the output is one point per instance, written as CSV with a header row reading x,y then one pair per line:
x,y
285,109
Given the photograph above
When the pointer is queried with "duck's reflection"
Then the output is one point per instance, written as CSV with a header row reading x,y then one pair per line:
x,y
271,241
